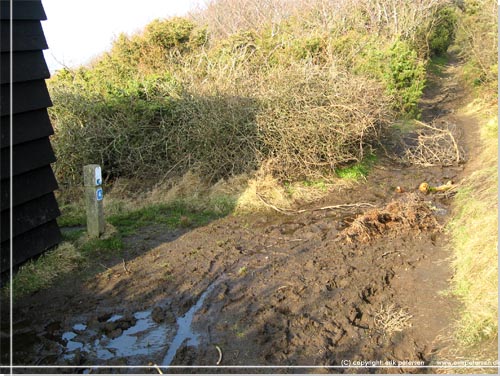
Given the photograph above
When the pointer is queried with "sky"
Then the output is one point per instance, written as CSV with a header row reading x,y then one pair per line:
x,y
78,30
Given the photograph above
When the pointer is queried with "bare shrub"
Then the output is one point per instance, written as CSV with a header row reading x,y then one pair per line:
x,y
400,17
215,136
397,18
317,118
477,38
225,17
303,121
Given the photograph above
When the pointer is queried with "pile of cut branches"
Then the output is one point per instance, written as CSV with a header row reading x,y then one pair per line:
x,y
434,145
409,214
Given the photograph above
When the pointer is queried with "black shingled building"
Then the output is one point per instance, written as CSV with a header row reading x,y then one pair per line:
x,y
35,209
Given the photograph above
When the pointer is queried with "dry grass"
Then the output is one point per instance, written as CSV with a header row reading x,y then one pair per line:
x,y
485,352
188,185
44,271
190,190
263,191
265,185
475,241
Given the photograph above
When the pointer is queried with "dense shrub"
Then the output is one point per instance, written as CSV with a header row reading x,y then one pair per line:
x,y
396,65
314,120
130,136
443,30
298,85
304,123
405,77
307,48
169,33
175,33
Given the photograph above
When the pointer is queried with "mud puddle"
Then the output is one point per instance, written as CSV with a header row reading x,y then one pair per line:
x,y
185,333
155,334
118,337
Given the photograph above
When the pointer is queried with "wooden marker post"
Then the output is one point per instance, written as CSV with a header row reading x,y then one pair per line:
x,y
92,180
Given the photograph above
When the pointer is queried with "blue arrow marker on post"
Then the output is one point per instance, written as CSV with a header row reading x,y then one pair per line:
x,y
94,198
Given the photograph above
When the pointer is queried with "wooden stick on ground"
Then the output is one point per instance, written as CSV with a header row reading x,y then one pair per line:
x,y
331,207
446,131
269,205
125,267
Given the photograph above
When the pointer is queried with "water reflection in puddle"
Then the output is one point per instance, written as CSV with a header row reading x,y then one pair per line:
x,y
144,337
184,331
71,345
79,327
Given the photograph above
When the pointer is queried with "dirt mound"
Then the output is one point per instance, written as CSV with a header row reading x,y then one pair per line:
x,y
409,214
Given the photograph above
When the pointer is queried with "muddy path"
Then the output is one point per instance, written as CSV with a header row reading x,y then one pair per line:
x,y
323,288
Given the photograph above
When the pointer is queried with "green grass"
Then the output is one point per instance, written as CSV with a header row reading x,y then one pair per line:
x,y
359,170
437,64
173,215
78,253
319,184
69,257
356,172
93,246
72,215
42,272
72,235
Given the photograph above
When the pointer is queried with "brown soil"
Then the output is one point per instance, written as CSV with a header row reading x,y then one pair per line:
x,y
320,288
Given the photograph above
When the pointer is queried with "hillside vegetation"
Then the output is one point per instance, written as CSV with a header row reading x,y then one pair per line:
x,y
300,87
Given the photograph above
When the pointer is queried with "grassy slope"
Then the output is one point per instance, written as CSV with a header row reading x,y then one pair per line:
x,y
474,227
475,239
